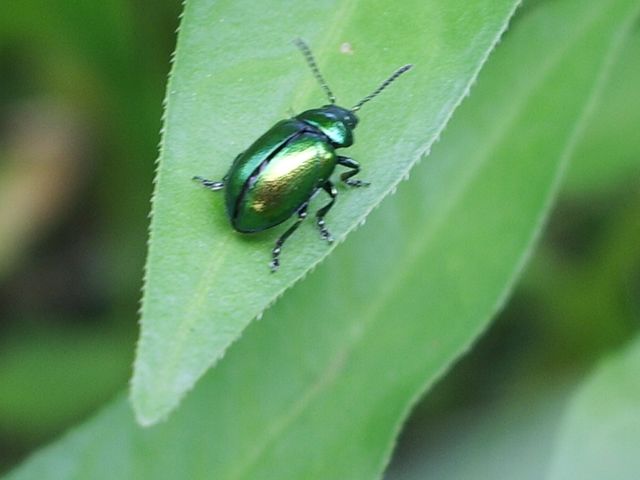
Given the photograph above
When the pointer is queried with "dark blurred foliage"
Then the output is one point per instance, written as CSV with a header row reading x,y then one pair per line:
x,y
81,89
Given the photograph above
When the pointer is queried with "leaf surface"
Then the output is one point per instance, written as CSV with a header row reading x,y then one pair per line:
x,y
236,73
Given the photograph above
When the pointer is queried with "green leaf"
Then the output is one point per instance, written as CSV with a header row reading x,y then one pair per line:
x,y
607,155
319,388
601,432
236,73
511,438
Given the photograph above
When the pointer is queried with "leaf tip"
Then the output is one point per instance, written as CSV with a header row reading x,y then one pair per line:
x,y
145,412
148,407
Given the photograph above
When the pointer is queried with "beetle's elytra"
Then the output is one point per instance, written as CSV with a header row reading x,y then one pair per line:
x,y
280,172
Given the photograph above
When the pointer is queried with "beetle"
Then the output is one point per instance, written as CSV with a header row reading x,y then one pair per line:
x,y
278,175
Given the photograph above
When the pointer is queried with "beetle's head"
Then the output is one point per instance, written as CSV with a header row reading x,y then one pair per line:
x,y
335,122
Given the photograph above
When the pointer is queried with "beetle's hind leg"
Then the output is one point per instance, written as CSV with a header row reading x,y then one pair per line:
x,y
355,169
302,214
210,184
333,193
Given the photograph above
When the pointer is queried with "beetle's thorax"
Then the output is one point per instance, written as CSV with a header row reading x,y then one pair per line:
x,y
335,122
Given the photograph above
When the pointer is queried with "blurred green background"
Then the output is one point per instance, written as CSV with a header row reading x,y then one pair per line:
x,y
81,89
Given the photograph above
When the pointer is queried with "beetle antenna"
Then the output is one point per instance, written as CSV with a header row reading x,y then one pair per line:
x,y
306,51
384,85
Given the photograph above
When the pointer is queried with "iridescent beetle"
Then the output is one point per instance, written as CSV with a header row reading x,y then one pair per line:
x,y
281,171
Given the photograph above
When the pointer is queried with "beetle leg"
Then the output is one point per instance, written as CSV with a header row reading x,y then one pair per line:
x,y
210,184
346,176
333,193
302,214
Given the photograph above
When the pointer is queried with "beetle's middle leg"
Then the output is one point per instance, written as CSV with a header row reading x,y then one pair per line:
x,y
302,214
333,193
210,184
355,169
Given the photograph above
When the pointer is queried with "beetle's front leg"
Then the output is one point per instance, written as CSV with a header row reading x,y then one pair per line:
x,y
210,184
346,176
333,193
302,214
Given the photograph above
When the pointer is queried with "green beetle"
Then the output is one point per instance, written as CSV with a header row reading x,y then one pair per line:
x,y
279,174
